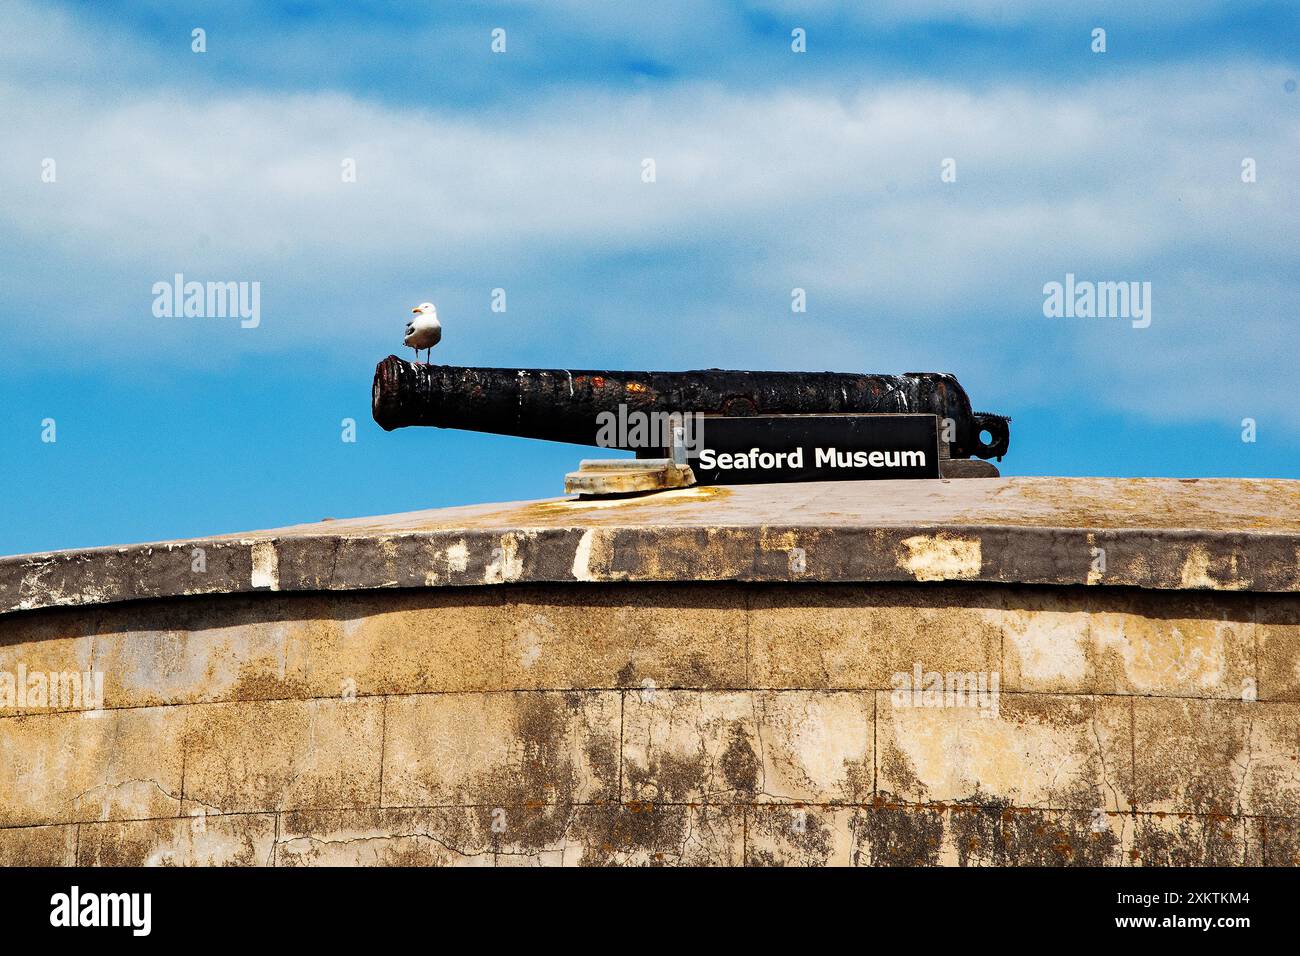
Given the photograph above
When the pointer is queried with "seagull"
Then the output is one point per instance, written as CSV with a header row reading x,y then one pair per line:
x,y
423,331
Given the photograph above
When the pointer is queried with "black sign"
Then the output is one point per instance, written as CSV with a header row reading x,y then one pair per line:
x,y
770,448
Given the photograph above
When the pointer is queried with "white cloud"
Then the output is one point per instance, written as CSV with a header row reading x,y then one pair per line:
x,y
1131,177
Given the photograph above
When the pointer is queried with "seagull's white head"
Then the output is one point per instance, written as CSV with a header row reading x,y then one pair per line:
x,y
425,308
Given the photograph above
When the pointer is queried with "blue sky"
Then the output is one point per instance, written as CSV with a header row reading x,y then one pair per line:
x,y
522,171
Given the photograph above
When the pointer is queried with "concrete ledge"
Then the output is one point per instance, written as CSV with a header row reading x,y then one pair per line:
x,y
1215,534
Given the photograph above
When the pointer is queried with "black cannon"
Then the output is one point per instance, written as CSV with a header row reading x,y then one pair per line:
x,y
563,404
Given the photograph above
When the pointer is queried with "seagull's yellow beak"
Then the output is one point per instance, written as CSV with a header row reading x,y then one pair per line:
x,y
415,312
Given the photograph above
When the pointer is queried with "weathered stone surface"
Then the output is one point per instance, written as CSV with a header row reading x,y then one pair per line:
x,y
896,833
1187,756
182,653
104,765
441,836
647,834
1217,758
1273,771
688,746
984,831
261,756
410,642
535,749
1040,751
237,840
579,835
1174,839
51,643
39,846
1129,642
644,637
1278,631
312,646
722,636
1203,647
849,636
1272,842
1215,534
1061,838
1047,645
800,835
889,832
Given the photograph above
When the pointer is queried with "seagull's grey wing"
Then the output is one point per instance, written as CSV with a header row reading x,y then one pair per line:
x,y
437,335
410,327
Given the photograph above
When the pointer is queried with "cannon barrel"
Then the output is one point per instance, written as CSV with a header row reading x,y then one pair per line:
x,y
563,404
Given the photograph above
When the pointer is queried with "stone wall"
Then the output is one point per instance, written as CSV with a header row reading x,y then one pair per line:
x,y
668,724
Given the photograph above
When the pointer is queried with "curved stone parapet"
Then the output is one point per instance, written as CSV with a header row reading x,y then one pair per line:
x,y
1007,672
